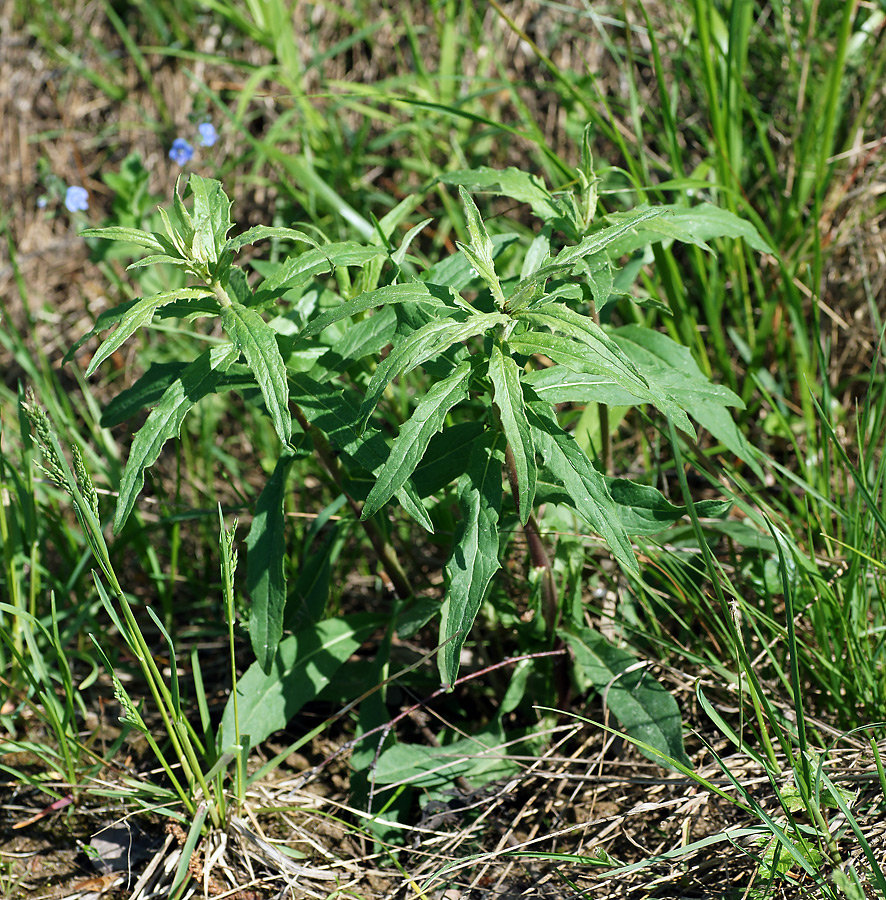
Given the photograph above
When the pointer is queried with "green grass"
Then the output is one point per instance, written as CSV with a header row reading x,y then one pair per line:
x,y
330,121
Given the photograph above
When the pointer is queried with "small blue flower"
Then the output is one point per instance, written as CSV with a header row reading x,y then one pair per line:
x,y
208,134
181,151
42,200
76,199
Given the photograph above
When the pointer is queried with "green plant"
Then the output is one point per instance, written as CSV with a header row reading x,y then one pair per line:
x,y
315,356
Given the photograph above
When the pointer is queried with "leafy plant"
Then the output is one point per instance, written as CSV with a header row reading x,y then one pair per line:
x,y
500,360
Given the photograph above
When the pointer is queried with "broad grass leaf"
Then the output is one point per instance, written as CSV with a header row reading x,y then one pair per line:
x,y
133,316
303,665
474,557
569,466
265,579
415,434
412,292
508,395
199,379
426,343
258,343
644,708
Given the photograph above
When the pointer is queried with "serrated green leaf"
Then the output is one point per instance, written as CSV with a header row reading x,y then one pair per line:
x,y
298,269
265,579
644,708
336,416
602,239
606,358
455,271
304,664
557,384
510,182
446,457
105,320
569,466
693,225
672,367
474,558
641,509
196,381
148,240
508,395
211,218
539,252
412,292
644,510
160,259
421,345
358,341
258,343
266,232
146,391
479,253
135,316
414,436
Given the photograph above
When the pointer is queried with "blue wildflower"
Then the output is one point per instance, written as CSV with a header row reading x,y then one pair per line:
x,y
42,200
76,199
181,151
208,134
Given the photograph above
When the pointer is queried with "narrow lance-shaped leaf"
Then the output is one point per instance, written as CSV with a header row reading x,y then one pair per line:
x,y
394,293
332,412
603,238
135,316
505,376
265,580
480,250
586,487
605,358
258,342
148,240
421,345
415,435
198,380
265,232
212,217
474,558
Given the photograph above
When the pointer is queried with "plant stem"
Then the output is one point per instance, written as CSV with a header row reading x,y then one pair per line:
x,y
537,553
382,546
